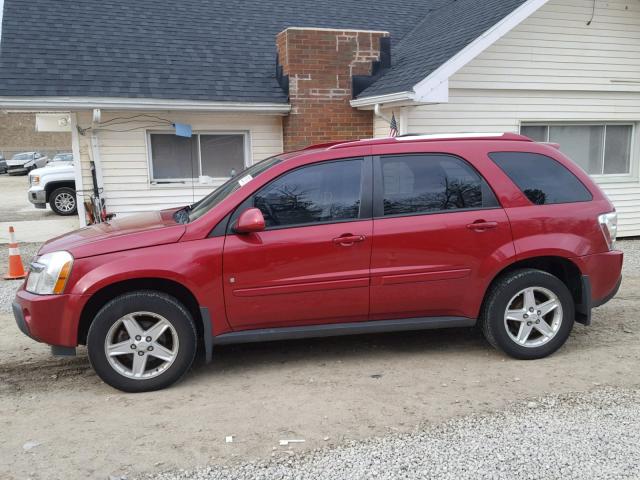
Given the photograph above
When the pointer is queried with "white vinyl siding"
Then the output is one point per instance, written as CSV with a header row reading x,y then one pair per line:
x,y
125,157
555,49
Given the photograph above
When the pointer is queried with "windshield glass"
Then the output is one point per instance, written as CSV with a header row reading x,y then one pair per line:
x,y
214,198
63,157
22,156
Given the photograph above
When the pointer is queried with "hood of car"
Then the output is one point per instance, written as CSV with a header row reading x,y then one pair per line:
x,y
13,162
131,232
53,169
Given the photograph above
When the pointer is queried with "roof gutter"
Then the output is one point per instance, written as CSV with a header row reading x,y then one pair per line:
x,y
406,97
86,103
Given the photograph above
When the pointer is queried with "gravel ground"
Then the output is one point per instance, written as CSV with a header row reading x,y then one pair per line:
x,y
631,249
572,436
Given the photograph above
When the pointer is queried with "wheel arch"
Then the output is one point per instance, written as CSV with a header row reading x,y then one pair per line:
x,y
107,292
50,187
561,267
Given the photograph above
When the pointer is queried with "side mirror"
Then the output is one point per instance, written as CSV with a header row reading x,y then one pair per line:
x,y
250,221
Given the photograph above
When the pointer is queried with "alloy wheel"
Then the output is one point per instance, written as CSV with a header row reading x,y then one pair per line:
x,y
141,345
533,316
65,202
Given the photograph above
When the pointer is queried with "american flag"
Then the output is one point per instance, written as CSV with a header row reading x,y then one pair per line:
x,y
393,126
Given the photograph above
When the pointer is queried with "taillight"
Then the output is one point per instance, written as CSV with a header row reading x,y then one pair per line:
x,y
609,225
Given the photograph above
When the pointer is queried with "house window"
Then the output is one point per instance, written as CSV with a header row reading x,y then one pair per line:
x,y
600,149
176,158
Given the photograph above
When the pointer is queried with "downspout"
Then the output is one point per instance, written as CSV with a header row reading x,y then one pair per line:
x,y
96,169
378,113
404,121
77,169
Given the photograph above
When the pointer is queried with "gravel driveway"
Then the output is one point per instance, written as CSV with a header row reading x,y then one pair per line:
x,y
573,436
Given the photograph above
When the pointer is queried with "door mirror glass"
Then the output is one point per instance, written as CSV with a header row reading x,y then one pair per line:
x,y
250,221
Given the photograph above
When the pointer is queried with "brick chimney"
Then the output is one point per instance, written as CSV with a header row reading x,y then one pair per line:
x,y
317,66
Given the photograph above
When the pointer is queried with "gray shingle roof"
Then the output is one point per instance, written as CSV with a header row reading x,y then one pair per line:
x,y
211,49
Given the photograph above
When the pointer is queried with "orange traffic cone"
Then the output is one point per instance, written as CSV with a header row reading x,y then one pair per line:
x,y
16,269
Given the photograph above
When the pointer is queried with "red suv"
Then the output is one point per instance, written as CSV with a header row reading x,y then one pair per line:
x,y
406,233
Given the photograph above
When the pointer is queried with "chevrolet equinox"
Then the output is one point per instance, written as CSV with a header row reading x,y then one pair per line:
x,y
406,233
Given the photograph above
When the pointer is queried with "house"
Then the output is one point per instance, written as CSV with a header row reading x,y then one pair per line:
x,y
252,79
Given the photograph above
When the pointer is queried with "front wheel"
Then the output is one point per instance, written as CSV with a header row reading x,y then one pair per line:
x,y
528,314
63,201
142,341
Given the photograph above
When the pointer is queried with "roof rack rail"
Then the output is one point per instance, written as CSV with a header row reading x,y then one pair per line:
x,y
463,136
326,144
419,137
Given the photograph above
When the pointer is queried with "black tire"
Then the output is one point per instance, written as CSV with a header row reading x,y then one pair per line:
x,y
154,302
66,192
492,319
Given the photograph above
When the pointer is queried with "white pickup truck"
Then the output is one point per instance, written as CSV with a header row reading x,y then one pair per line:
x,y
54,184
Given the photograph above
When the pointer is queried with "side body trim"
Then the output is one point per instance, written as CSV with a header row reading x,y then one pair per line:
x,y
331,330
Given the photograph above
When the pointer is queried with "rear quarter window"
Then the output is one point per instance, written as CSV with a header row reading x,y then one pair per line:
x,y
542,179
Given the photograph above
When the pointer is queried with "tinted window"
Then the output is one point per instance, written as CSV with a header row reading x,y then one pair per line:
x,y
432,183
326,192
542,179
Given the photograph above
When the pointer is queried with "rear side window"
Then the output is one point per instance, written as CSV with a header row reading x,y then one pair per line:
x,y
542,179
432,183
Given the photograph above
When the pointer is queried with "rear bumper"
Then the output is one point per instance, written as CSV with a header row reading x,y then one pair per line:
x,y
601,280
51,319
609,296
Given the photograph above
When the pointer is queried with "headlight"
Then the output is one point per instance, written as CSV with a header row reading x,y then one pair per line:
x,y
609,225
34,180
49,273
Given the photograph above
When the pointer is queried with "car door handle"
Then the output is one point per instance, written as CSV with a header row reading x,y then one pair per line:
x,y
481,225
348,240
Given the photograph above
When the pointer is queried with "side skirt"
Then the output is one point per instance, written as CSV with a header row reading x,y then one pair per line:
x,y
337,329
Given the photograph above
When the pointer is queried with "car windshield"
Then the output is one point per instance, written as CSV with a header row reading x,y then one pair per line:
x,y
195,211
22,156
63,157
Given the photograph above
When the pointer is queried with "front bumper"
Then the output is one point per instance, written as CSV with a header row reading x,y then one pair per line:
x,y
51,319
17,170
37,197
19,316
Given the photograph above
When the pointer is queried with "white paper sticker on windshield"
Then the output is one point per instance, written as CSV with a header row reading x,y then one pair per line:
x,y
244,180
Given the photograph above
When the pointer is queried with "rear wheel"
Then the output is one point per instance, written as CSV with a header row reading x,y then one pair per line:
x,y
142,341
63,201
528,314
